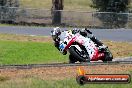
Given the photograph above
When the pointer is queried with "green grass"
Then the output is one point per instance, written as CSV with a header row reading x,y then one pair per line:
x,y
21,49
68,4
25,51
78,5
6,24
3,78
14,52
24,25
66,83
46,4
130,6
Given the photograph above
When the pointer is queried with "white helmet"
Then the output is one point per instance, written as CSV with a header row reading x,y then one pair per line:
x,y
56,31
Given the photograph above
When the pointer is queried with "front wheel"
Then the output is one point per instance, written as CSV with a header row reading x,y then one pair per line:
x,y
72,59
76,54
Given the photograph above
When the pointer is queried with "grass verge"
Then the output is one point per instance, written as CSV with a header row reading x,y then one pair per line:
x,y
68,4
19,49
67,83
3,78
14,52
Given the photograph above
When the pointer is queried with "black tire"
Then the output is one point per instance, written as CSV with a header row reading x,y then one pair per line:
x,y
71,59
108,56
75,55
81,80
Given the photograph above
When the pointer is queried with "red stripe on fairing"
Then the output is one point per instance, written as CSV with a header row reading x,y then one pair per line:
x,y
95,56
101,56
70,43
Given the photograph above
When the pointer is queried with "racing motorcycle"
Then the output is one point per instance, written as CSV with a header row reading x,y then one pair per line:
x,y
82,49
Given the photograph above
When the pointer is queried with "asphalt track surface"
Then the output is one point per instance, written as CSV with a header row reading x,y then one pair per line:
x,y
124,35
29,66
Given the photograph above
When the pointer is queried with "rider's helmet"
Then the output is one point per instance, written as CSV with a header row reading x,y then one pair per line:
x,y
55,32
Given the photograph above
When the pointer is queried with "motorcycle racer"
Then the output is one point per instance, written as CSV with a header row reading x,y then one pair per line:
x,y
81,44
55,36
56,32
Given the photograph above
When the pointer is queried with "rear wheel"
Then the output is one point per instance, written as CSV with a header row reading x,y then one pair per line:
x,y
108,56
76,54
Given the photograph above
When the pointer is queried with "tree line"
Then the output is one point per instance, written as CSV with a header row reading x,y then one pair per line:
x,y
114,6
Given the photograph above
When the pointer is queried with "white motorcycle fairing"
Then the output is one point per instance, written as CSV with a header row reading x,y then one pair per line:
x,y
92,50
67,39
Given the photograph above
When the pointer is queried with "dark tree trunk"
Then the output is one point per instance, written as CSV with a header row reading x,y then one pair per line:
x,y
56,14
